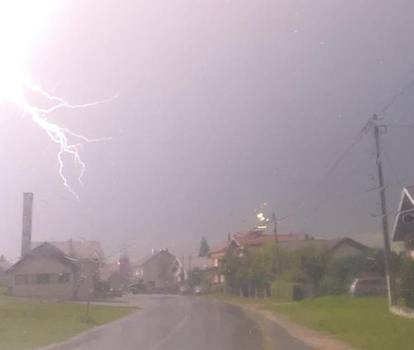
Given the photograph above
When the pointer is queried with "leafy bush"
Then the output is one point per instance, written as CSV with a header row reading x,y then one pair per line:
x,y
282,290
332,286
407,282
287,291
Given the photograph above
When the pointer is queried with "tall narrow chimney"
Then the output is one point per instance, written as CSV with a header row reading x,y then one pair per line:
x,y
27,223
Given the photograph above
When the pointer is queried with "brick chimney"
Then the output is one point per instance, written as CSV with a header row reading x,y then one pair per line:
x,y
27,223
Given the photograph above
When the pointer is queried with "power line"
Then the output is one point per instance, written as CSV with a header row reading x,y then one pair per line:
x,y
355,141
392,167
396,125
343,155
394,98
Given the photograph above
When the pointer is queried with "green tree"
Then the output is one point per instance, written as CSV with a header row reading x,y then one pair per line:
x,y
407,281
340,272
204,248
248,271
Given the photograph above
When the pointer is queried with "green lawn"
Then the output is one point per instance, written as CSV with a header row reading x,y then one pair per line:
x,y
363,323
28,324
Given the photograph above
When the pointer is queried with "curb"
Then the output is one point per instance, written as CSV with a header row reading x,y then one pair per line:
x,y
314,339
402,312
80,338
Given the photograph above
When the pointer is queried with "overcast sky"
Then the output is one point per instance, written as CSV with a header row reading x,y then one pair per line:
x,y
222,105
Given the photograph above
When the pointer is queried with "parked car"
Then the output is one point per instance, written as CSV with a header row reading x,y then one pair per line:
x,y
138,288
185,290
115,293
368,286
198,290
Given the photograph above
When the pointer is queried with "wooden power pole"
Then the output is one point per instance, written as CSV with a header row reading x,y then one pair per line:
x,y
276,266
274,226
384,215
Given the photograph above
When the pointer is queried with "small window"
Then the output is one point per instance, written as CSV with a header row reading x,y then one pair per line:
x,y
408,218
21,279
64,277
43,278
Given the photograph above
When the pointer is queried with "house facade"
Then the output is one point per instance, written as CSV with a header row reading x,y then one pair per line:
x,y
334,248
44,272
4,266
161,272
56,270
404,222
117,276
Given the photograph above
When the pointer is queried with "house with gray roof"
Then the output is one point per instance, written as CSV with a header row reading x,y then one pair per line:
x,y
161,272
4,266
403,230
57,270
336,248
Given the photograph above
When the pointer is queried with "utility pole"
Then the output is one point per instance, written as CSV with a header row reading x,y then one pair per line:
x,y
276,266
274,226
387,245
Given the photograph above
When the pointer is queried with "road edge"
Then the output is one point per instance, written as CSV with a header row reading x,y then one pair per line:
x,y
314,339
92,333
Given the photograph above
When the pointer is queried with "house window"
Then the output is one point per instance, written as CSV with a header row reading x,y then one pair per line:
x,y
408,218
43,278
64,277
21,279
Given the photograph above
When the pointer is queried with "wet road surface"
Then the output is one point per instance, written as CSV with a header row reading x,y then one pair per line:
x,y
187,323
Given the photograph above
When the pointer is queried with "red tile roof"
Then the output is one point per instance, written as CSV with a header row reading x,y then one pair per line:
x,y
258,238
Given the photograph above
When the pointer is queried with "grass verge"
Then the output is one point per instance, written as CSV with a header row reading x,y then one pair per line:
x,y
28,324
362,323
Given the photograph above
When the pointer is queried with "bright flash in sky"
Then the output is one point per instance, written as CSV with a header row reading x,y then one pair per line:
x,y
260,217
22,22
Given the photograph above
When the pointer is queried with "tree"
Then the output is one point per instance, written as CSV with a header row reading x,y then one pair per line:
x,y
248,271
407,282
204,248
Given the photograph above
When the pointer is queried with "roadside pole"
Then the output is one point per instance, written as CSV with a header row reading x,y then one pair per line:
x,y
274,226
276,246
384,215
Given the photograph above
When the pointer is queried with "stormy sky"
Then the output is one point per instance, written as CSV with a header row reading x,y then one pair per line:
x,y
222,106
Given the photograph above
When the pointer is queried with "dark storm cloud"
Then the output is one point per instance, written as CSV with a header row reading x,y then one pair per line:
x,y
222,105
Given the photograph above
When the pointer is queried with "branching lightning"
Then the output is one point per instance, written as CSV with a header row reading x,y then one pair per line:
x,y
60,135
19,21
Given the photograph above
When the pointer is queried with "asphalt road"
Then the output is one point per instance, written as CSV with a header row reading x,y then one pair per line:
x,y
187,323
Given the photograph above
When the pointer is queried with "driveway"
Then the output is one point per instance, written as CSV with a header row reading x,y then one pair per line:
x,y
185,323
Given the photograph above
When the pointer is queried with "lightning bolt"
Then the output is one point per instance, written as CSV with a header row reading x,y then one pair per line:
x,y
21,24
69,142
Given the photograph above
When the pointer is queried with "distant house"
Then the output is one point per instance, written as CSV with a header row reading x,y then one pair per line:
x,y
162,272
253,238
118,275
335,248
4,266
404,222
57,270
84,250
196,262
